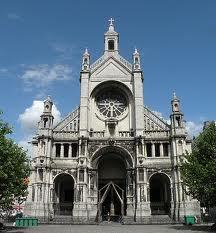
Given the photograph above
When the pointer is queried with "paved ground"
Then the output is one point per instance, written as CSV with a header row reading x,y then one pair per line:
x,y
112,228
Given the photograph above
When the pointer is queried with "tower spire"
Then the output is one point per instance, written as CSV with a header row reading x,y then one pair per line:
x,y
111,39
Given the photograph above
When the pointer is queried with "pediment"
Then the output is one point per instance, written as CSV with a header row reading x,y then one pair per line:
x,y
111,67
152,122
69,123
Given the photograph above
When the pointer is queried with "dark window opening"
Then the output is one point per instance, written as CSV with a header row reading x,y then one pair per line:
x,y
149,150
58,150
66,149
45,122
157,150
81,175
165,149
178,121
111,44
40,173
74,150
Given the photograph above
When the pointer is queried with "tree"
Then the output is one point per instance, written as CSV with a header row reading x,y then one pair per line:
x,y
199,167
14,168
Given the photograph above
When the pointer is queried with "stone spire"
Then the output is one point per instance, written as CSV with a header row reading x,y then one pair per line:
x,y
136,60
111,39
86,61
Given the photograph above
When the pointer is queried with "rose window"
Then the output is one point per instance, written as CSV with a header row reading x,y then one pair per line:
x,y
111,104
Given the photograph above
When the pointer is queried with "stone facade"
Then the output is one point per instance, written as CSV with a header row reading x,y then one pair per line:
x,y
111,158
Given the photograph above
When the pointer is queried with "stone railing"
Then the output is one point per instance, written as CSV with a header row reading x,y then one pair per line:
x,y
61,135
67,119
125,62
124,134
97,62
149,114
156,134
97,134
120,58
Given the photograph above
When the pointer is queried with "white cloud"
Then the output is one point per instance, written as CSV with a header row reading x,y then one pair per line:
x,y
64,51
13,16
30,117
193,128
42,76
3,70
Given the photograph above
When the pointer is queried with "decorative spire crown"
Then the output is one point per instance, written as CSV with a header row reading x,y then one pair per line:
x,y
174,96
111,25
86,52
135,51
49,98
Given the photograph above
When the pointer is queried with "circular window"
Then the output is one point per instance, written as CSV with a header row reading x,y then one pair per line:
x,y
111,103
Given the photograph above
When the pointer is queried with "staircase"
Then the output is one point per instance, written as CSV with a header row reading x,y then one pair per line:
x,y
62,219
160,219
153,219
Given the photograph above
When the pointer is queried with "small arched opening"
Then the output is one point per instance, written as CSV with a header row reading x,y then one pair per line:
x,y
111,45
160,194
63,194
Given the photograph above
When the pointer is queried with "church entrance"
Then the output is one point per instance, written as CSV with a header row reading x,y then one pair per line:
x,y
111,187
63,195
160,195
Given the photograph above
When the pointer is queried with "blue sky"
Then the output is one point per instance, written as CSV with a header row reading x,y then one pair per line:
x,y
41,45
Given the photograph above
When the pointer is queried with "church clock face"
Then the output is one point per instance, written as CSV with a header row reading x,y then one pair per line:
x,y
111,104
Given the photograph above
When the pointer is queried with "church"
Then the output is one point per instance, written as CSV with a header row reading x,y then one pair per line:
x,y
112,158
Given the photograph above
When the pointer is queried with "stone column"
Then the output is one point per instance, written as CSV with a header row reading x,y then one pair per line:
x,y
70,151
161,150
168,150
62,150
145,150
54,150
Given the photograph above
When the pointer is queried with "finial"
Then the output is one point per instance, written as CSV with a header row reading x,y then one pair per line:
x,y
174,95
111,25
135,50
111,20
49,98
86,51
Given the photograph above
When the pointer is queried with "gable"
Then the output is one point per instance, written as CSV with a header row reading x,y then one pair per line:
x,y
112,66
111,69
152,122
69,123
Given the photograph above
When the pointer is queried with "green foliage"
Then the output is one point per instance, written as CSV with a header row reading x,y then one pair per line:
x,y
14,168
199,168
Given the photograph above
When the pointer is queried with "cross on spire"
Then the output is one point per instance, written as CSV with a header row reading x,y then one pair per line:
x,y
111,20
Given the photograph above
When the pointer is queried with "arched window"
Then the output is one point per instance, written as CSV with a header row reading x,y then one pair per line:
x,y
111,45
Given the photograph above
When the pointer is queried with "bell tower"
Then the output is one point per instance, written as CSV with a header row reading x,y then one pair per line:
x,y
46,121
176,117
111,40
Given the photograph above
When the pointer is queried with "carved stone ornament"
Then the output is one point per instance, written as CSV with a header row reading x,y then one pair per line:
x,y
111,142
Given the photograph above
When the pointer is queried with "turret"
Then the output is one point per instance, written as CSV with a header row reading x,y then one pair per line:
x,y
86,61
138,94
177,122
46,121
136,60
111,39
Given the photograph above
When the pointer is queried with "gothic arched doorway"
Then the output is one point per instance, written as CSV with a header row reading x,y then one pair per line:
x,y
160,195
111,187
63,194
